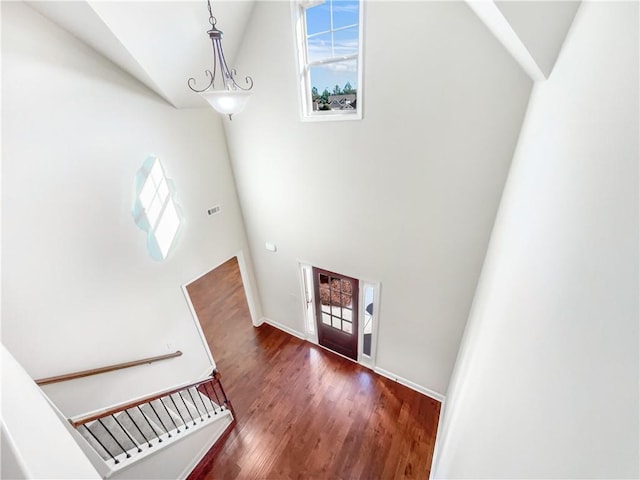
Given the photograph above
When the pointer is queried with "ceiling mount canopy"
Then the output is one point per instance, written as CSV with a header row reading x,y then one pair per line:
x,y
228,98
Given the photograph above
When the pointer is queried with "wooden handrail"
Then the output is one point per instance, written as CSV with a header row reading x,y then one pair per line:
x,y
110,368
134,403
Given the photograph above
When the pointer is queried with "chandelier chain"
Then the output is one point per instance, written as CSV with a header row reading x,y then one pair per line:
x,y
212,19
230,97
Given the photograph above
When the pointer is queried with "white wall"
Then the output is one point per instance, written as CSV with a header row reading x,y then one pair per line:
x,y
35,443
180,458
79,288
546,383
541,26
407,196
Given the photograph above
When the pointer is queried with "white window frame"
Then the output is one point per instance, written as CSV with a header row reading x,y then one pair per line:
x,y
368,360
152,180
300,35
308,302
308,317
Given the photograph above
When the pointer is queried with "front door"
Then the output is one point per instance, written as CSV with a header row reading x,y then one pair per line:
x,y
336,312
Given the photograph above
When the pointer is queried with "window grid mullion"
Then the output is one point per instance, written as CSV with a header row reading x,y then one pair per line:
x,y
164,202
155,223
307,65
164,207
327,61
333,53
339,29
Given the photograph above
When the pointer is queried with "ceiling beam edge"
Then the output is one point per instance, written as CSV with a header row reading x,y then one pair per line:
x,y
495,21
145,78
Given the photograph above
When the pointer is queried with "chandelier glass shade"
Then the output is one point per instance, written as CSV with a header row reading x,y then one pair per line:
x,y
224,94
228,102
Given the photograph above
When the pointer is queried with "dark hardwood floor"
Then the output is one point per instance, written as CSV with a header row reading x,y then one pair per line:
x,y
303,412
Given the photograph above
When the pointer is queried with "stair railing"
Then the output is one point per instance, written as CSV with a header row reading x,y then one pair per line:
x,y
109,368
127,429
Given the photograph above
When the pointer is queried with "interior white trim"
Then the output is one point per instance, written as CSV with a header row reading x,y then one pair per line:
x,y
381,371
196,320
438,443
282,327
248,291
361,281
310,336
495,21
304,89
408,383
205,374
221,427
371,362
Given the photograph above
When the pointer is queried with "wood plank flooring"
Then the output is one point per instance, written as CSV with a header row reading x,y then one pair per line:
x,y
303,412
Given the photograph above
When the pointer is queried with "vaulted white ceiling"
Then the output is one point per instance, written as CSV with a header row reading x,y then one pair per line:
x,y
162,43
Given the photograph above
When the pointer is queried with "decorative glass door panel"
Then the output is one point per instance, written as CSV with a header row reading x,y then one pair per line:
x,y
336,299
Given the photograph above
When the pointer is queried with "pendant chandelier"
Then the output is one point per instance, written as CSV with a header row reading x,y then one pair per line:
x,y
227,97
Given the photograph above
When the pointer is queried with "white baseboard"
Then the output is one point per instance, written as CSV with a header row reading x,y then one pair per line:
x,y
282,327
381,371
438,443
221,427
413,386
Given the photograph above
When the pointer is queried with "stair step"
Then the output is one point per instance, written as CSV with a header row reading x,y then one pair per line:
x,y
116,442
139,428
205,405
144,433
91,441
172,402
183,408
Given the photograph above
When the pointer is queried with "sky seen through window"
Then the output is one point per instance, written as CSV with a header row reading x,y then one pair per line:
x,y
332,34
